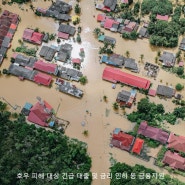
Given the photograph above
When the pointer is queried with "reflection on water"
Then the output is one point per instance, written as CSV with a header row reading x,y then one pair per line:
x,y
72,109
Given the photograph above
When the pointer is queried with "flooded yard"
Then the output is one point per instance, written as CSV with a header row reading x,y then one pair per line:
x,y
97,122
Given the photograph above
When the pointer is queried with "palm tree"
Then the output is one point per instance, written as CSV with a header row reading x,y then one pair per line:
x,y
115,106
112,46
32,7
97,31
156,59
105,98
141,56
127,54
85,133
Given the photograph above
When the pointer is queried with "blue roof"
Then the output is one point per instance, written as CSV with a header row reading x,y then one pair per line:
x,y
101,37
117,130
51,124
28,106
105,58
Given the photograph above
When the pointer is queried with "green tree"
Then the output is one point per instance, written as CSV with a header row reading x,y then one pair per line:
x,y
179,87
83,80
77,9
115,106
180,71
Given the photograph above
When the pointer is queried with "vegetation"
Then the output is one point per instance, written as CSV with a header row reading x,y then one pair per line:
x,y
27,149
179,87
122,168
105,98
5,72
97,32
77,9
86,133
107,48
115,106
179,71
160,156
155,113
163,33
133,35
83,80
78,38
28,51
20,1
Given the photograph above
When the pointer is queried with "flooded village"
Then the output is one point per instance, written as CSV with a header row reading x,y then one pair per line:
x,y
91,91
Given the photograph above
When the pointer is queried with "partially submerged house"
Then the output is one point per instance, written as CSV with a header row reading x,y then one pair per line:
x,y
165,91
152,69
64,52
126,98
115,75
46,67
176,142
107,39
109,5
138,145
174,160
68,88
153,133
22,72
122,140
143,33
8,25
167,59
131,64
64,31
47,53
30,35
182,44
69,73
114,60
40,114
59,10
23,60
43,79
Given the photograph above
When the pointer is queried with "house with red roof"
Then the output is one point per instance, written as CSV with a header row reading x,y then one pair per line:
x,y
162,17
153,133
138,145
115,75
176,142
174,160
40,113
122,140
101,17
30,35
46,67
42,79
8,25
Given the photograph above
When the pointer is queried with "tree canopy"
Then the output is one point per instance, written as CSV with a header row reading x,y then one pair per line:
x,y
27,149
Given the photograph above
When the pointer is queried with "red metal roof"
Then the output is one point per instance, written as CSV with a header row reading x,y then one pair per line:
x,y
63,35
106,9
27,34
162,17
101,17
153,133
138,145
125,140
108,23
13,26
174,160
76,61
43,79
46,67
181,64
38,114
37,37
152,92
115,75
176,142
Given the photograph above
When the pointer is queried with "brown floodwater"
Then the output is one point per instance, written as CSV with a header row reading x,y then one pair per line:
x,y
103,119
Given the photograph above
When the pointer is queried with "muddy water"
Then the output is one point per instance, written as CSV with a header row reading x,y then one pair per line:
x,y
102,119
